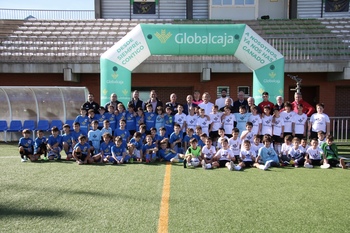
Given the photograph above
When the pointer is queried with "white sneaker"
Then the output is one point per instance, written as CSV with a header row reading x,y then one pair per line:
x,y
23,160
307,165
204,166
325,166
267,165
232,166
262,167
238,168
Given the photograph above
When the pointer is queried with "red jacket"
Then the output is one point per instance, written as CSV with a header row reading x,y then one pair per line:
x,y
307,108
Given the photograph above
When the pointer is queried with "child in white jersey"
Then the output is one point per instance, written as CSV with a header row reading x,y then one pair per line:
x,y
247,155
314,154
208,153
235,143
225,158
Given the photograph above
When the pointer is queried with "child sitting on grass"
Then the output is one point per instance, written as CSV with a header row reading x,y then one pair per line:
x,y
135,147
225,157
267,156
297,154
25,146
314,154
247,155
105,149
118,151
208,153
54,144
167,154
193,154
150,150
330,153
81,151
40,146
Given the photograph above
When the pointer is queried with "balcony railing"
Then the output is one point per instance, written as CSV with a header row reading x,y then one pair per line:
x,y
46,14
87,46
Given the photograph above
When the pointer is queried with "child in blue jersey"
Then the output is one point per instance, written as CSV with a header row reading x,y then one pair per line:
x,y
76,133
25,145
267,156
150,118
67,142
150,150
81,151
202,140
101,117
161,134
118,151
122,132
121,114
40,147
130,117
135,146
142,130
105,149
110,116
160,118
92,117
106,128
83,121
175,139
94,137
154,135
242,118
140,118
189,135
168,122
167,154
54,144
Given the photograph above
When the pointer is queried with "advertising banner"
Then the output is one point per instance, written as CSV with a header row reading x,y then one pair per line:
x,y
145,40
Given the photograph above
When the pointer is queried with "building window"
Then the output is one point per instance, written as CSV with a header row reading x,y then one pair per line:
x,y
219,89
244,2
245,89
233,2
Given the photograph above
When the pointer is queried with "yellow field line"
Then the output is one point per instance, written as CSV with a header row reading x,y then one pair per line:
x,y
164,205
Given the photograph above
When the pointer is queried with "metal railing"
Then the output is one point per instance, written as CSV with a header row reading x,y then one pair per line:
x,y
37,46
46,14
340,129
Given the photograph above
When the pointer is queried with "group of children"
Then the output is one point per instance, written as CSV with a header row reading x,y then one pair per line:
x,y
194,148
218,139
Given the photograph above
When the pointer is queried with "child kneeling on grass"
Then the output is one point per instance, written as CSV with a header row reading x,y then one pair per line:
x,y
330,153
81,151
267,156
26,146
225,157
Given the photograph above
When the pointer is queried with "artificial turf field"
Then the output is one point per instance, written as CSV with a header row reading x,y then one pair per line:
x,y
61,196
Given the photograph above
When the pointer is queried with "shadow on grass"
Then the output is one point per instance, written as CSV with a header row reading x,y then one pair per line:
x,y
17,212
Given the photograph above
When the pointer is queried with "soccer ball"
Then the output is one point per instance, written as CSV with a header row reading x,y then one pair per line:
x,y
195,162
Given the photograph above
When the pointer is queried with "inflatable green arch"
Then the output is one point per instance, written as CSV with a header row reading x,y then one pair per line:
x,y
145,40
